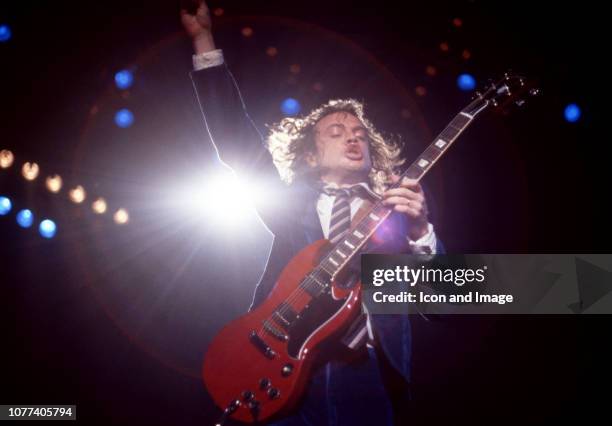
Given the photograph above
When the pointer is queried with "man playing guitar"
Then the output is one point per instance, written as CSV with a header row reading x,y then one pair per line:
x,y
325,167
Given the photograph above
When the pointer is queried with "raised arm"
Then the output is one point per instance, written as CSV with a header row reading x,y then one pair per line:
x,y
235,137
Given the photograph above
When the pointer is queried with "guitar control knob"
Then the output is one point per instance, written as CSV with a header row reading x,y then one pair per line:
x,y
247,395
264,383
287,370
254,408
273,393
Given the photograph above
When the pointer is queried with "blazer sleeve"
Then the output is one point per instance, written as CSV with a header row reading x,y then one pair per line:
x,y
236,139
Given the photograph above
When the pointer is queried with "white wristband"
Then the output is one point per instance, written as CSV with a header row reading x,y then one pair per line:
x,y
207,59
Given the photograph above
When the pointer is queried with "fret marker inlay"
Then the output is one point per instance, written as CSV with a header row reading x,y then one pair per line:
x,y
423,163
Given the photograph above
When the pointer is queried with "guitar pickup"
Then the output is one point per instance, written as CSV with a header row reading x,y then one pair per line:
x,y
285,315
260,344
275,332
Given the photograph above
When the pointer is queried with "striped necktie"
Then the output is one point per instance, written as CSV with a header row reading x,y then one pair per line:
x,y
340,221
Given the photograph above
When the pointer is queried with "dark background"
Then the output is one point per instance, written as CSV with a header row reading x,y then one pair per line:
x,y
116,319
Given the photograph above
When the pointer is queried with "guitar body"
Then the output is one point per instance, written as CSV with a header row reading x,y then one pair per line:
x,y
258,366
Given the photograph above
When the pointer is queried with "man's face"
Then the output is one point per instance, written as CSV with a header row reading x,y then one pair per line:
x,y
342,148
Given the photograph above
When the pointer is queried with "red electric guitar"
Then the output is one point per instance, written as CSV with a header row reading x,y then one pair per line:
x,y
257,367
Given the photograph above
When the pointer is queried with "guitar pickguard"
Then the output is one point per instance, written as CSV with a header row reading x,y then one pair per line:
x,y
318,311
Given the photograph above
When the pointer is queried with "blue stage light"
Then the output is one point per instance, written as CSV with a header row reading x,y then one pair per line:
x,y
290,106
124,79
466,82
5,206
47,228
124,118
5,33
572,113
25,218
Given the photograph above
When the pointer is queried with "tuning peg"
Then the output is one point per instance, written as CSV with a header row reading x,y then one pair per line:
x,y
535,92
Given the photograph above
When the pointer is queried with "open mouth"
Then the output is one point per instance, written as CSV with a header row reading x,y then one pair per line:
x,y
353,153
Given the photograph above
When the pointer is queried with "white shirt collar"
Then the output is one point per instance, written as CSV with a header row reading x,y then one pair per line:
x,y
365,185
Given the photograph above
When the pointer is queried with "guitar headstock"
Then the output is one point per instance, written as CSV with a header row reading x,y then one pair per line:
x,y
510,90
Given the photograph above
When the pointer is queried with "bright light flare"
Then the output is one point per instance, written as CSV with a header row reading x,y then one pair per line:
x,y
223,200
121,217
77,195
30,171
99,206
54,183
6,158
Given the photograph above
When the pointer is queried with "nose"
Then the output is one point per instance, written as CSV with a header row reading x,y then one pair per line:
x,y
352,139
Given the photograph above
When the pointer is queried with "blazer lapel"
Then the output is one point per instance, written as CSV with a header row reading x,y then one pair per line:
x,y
309,218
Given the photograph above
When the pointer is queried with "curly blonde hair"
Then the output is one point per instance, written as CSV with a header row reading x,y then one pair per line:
x,y
291,140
